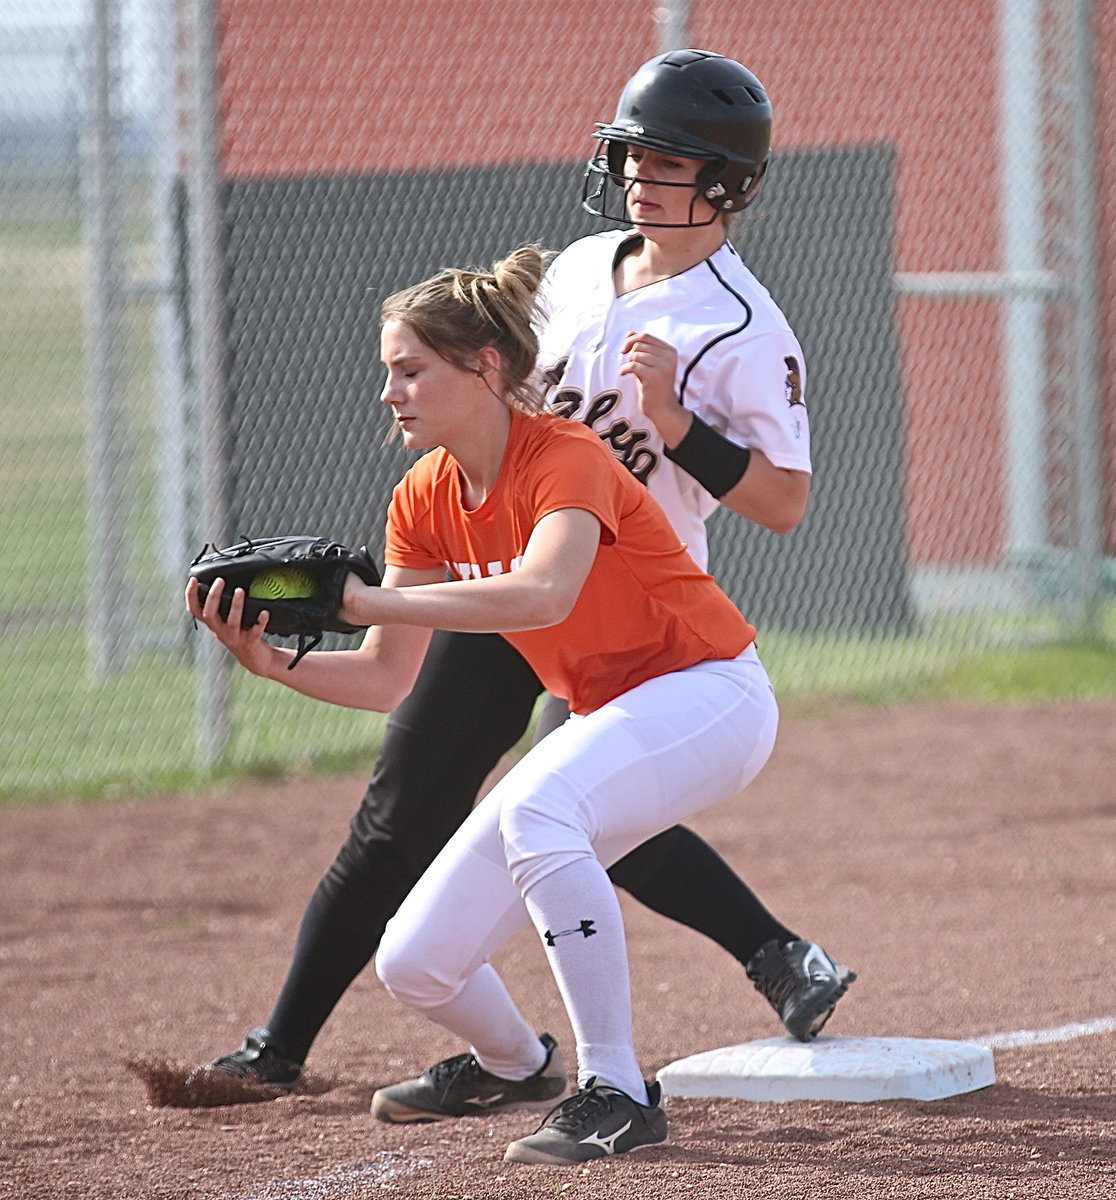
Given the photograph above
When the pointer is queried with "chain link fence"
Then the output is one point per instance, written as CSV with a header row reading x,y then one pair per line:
x,y
202,205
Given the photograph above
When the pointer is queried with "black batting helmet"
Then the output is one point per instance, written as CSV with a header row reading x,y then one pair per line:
x,y
695,104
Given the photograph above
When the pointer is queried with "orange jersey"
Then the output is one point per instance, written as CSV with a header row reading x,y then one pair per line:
x,y
646,607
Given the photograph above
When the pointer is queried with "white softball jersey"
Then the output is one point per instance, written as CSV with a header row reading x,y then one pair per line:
x,y
740,367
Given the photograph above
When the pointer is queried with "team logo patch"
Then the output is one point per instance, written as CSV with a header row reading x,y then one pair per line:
x,y
793,382
585,929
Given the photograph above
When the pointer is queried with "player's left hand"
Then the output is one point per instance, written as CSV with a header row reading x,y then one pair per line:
x,y
654,364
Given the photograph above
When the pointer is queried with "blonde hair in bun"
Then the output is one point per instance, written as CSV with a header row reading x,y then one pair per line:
x,y
460,311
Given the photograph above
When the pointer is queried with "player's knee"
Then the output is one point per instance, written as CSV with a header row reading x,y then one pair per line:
x,y
403,975
539,839
408,976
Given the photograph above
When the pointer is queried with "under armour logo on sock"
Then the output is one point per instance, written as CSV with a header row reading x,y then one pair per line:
x,y
585,928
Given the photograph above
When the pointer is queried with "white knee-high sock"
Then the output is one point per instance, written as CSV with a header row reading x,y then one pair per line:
x,y
577,915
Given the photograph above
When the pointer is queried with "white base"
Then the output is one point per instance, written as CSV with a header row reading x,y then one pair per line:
x,y
833,1068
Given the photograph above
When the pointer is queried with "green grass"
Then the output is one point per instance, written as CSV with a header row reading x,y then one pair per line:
x,y
1017,674
72,735
990,658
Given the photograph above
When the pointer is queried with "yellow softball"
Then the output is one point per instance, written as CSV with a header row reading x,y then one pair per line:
x,y
283,583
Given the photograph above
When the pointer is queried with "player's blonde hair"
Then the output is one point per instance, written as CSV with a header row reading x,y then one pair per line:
x,y
459,312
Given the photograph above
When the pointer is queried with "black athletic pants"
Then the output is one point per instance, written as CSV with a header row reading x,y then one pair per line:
x,y
472,702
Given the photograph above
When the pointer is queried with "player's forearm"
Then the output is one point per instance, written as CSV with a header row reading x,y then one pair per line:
x,y
670,418
743,479
500,604
375,677
770,496
325,675
539,593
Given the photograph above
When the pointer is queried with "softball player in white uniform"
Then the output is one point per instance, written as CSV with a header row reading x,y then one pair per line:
x,y
740,368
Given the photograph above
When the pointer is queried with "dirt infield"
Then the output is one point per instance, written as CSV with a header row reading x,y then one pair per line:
x,y
961,859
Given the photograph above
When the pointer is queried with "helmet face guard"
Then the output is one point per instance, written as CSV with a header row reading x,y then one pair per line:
x,y
691,104
609,202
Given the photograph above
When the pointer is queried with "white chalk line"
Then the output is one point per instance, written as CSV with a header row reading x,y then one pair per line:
x,y
343,1180
1039,1037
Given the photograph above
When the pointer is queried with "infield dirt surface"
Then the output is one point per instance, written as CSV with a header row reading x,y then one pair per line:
x,y
961,859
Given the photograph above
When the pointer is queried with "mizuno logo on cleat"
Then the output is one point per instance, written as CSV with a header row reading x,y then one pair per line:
x,y
607,1144
586,928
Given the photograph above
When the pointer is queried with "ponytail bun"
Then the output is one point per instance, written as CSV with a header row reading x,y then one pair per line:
x,y
459,312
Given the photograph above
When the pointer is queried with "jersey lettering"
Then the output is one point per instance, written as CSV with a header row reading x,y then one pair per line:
x,y
565,402
465,570
552,375
625,442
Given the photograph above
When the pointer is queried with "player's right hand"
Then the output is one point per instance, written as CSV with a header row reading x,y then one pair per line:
x,y
654,364
245,645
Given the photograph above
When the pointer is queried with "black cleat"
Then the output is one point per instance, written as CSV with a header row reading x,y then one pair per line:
x,y
596,1122
461,1087
801,983
259,1060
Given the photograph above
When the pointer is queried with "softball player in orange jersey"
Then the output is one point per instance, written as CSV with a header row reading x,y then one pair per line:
x,y
550,542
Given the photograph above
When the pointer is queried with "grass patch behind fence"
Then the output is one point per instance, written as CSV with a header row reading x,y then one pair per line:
x,y
70,735
1050,672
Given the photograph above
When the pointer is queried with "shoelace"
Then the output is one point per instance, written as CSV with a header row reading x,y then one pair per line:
x,y
445,1074
585,1107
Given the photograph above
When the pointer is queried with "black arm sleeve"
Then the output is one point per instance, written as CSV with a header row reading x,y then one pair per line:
x,y
715,462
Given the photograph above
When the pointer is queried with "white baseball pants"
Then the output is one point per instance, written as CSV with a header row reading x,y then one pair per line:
x,y
535,850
